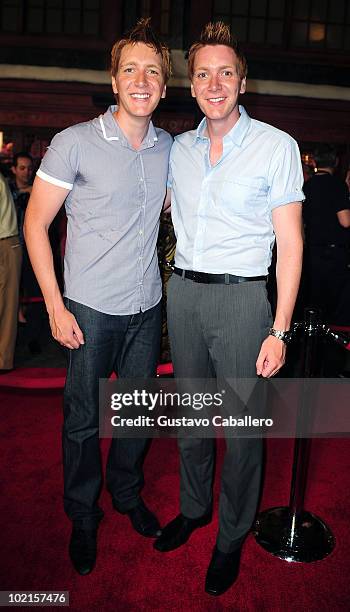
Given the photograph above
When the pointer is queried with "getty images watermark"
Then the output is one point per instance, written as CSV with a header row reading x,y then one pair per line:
x,y
224,408
176,401
163,398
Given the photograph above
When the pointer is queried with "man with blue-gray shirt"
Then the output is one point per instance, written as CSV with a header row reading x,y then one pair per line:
x,y
111,173
236,184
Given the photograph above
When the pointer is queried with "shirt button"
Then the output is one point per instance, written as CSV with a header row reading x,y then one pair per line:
x,y
140,232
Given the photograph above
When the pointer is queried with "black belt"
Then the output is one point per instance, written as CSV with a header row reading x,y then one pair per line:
x,y
219,279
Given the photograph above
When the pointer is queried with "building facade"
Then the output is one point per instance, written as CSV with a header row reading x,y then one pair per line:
x,y
54,62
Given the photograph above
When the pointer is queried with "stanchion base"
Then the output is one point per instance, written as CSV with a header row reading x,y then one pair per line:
x,y
303,539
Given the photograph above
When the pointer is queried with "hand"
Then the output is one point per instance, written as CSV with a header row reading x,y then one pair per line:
x,y
271,357
65,329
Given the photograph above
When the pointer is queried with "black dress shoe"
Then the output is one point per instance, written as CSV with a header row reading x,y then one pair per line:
x,y
178,531
222,571
82,549
144,521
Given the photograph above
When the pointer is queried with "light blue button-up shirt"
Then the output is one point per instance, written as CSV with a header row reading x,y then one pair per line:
x,y
222,213
115,198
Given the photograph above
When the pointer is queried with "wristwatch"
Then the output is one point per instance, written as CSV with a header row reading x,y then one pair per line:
x,y
285,336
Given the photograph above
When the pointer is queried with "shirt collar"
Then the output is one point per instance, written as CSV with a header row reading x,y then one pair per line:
x,y
111,130
236,134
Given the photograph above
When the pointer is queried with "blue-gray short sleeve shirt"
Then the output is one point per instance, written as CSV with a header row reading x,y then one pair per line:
x,y
115,198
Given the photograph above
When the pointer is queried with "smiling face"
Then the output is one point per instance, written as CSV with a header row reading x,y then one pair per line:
x,y
139,82
216,84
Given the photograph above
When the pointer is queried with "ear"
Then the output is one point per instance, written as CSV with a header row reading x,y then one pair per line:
x,y
243,86
164,92
114,85
192,91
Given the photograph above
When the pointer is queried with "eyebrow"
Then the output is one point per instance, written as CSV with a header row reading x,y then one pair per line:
x,y
131,63
219,68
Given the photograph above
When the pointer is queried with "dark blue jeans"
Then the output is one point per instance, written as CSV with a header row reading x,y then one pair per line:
x,y
128,345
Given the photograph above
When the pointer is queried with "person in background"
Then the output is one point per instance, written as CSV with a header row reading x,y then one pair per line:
x,y
29,311
326,214
307,172
21,185
10,271
111,173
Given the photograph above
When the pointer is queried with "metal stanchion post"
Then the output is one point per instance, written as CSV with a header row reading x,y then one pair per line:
x,y
291,533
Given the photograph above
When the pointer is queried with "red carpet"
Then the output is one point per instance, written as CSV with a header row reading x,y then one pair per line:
x,y
34,378
51,378
130,575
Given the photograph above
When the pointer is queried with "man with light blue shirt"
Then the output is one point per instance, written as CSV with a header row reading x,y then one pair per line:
x,y
111,173
236,185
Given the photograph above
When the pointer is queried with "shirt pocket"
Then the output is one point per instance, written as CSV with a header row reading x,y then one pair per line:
x,y
241,196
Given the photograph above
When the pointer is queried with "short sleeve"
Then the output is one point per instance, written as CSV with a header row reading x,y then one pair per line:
x,y
61,160
285,177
